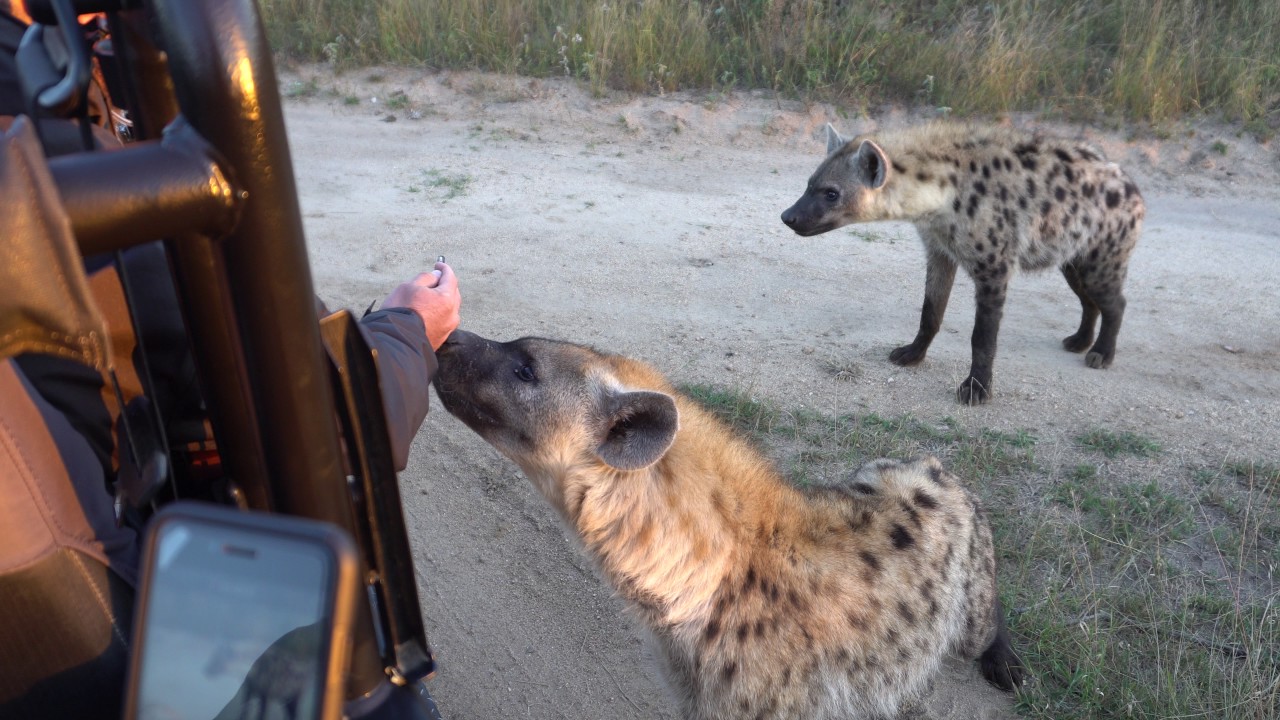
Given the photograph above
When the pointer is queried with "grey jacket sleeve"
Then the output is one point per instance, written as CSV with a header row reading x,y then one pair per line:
x,y
406,364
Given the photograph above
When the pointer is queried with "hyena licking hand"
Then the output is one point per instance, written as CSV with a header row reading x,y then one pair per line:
x,y
992,201
763,600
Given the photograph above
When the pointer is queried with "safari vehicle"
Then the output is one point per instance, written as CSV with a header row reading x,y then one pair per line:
x,y
204,176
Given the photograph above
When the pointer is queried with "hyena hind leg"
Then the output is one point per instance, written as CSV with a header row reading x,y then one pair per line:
x,y
1104,350
1083,337
1000,665
1102,285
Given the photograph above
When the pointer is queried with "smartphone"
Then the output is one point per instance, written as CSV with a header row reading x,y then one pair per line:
x,y
241,615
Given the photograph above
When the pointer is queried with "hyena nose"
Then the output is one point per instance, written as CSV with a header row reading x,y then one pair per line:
x,y
789,217
458,337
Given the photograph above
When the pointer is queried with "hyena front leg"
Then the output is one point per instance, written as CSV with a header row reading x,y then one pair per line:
x,y
991,289
1088,311
939,277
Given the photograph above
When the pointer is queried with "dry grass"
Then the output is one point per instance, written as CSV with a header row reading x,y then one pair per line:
x,y
1139,59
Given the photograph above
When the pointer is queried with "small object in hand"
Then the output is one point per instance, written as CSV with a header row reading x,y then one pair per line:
x,y
440,258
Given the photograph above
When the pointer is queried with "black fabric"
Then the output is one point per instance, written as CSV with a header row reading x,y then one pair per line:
x,y
11,31
75,390
157,319
59,136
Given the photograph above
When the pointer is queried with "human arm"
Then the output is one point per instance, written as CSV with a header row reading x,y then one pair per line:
x,y
415,318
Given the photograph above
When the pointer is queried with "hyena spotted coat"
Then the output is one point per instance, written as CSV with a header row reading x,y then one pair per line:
x,y
763,600
993,201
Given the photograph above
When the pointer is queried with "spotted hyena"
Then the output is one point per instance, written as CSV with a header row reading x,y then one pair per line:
x,y
763,600
993,201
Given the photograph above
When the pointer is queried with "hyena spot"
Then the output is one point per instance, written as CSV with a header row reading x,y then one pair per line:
x,y
972,392
907,355
902,540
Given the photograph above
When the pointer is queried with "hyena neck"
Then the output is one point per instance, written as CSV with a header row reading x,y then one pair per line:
x,y
670,536
920,186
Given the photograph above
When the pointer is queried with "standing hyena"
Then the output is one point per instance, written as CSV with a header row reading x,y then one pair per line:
x,y
764,601
992,201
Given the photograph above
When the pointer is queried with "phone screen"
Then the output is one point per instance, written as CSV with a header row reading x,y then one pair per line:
x,y
236,625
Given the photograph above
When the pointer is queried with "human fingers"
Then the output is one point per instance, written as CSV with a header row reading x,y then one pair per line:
x,y
446,280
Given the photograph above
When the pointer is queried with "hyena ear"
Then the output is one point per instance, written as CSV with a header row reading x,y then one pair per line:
x,y
834,141
871,164
638,428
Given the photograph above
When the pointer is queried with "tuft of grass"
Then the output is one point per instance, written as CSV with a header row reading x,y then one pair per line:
x,y
1113,444
844,370
829,447
1150,60
1265,474
874,236
1261,130
398,100
1125,512
736,408
450,185
301,88
1126,597
350,100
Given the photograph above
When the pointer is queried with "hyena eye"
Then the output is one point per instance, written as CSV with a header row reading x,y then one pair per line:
x,y
832,195
525,373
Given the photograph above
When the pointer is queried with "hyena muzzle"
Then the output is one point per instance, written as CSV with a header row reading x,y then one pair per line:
x,y
993,201
762,600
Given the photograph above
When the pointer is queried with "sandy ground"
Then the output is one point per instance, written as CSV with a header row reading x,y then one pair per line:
x,y
649,226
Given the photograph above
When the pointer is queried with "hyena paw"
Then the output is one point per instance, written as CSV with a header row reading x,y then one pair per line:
x,y
908,355
1099,360
973,392
1002,667
1077,343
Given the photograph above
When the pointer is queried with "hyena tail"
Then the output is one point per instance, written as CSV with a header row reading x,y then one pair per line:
x,y
1000,664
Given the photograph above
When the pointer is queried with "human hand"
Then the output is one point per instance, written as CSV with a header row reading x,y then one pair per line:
x,y
435,298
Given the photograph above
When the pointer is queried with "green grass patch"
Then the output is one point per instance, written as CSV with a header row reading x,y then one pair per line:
x,y
737,408
1122,512
825,447
1246,495
1128,596
301,88
1142,59
1113,444
398,101
448,185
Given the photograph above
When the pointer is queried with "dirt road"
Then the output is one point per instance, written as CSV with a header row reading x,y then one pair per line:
x,y
649,226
